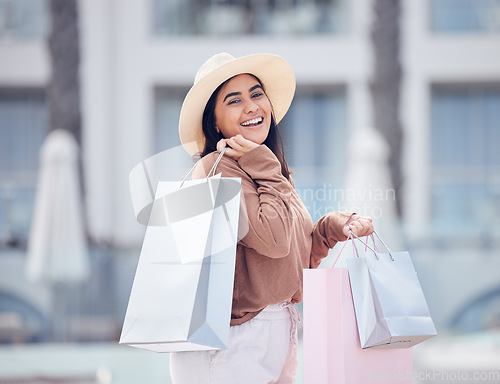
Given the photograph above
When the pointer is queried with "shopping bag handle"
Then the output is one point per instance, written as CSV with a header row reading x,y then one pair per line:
x,y
212,171
214,167
342,250
371,249
354,249
352,236
374,244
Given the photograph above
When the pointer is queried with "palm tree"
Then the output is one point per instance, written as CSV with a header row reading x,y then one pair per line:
x,y
386,82
64,88
63,102
63,93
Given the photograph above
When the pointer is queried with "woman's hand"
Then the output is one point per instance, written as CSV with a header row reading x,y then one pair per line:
x,y
360,226
238,146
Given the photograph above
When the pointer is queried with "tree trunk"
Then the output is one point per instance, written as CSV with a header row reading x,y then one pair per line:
x,y
386,82
64,89
63,93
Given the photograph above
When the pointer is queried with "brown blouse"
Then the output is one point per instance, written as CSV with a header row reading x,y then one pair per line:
x,y
277,236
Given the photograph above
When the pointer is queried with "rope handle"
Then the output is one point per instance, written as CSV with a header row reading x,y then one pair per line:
x,y
371,249
342,250
374,245
212,171
352,236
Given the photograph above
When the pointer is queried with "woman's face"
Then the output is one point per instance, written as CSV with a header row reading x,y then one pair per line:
x,y
243,108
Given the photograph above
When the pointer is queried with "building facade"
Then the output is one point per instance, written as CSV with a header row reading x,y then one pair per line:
x,y
139,59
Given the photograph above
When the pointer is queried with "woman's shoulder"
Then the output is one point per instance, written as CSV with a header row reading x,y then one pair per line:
x,y
227,166
204,165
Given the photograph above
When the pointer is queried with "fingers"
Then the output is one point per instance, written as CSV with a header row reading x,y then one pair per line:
x,y
237,146
362,226
237,143
221,144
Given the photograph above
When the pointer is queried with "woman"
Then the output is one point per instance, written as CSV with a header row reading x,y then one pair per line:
x,y
236,104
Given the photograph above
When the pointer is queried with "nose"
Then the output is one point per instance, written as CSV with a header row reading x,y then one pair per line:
x,y
251,107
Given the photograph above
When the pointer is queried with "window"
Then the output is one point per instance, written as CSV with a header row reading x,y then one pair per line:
x,y
22,130
465,158
248,17
168,103
465,15
314,132
23,19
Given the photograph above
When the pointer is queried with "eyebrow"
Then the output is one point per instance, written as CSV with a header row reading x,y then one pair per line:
x,y
239,93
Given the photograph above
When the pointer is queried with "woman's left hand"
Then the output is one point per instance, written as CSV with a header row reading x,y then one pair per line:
x,y
237,146
360,226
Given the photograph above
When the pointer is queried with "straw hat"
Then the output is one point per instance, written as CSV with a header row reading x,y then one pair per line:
x,y
275,74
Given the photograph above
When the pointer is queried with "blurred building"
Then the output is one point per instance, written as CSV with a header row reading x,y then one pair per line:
x,y
138,61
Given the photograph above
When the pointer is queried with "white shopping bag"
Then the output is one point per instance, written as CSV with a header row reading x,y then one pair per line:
x,y
391,310
182,292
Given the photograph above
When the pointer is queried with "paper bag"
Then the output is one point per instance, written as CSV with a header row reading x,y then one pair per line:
x,y
332,352
391,310
181,297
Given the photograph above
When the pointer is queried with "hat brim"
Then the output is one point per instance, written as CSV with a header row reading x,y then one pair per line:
x,y
275,74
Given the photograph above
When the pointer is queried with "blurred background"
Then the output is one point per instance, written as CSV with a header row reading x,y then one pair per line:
x,y
396,115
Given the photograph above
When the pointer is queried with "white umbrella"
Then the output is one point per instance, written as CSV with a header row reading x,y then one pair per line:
x,y
368,187
57,248
368,182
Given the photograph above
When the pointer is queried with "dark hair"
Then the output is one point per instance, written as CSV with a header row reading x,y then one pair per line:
x,y
212,137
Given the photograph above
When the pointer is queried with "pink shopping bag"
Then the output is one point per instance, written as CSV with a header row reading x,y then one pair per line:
x,y
332,351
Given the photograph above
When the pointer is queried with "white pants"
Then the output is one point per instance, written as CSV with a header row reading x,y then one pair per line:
x,y
261,351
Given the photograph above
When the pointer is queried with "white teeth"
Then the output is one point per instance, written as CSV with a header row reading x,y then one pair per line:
x,y
257,120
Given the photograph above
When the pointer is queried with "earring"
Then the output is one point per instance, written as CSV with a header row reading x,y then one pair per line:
x,y
217,129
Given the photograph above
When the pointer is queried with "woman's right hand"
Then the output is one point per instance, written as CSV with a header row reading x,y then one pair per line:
x,y
237,146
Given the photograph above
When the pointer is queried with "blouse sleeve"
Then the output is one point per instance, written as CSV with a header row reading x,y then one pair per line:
x,y
327,231
265,214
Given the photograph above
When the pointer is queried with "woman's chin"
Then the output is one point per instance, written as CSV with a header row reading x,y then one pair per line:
x,y
256,141
256,137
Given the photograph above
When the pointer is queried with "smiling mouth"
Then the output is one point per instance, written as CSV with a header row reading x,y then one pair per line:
x,y
252,122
